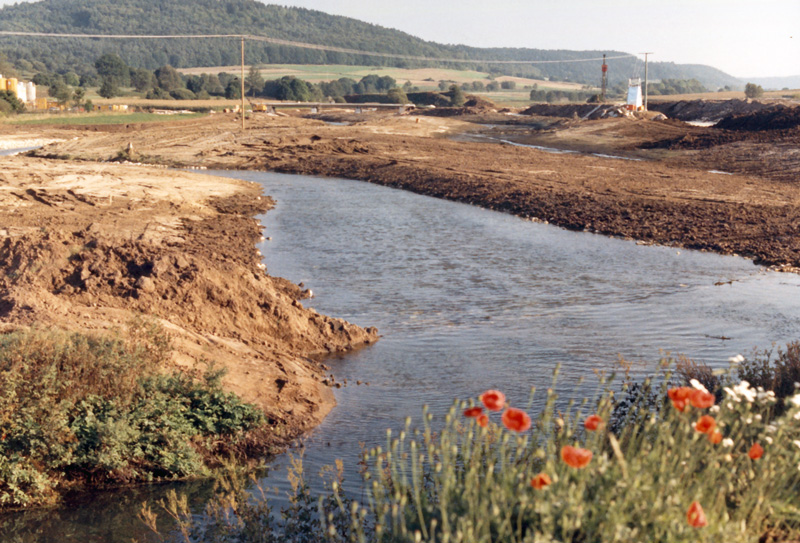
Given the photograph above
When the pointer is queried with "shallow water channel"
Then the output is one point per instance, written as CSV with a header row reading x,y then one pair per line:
x,y
468,299
16,150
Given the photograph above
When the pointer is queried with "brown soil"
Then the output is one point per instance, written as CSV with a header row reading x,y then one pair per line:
x,y
668,198
706,110
86,247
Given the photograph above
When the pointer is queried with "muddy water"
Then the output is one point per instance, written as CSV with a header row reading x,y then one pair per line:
x,y
468,299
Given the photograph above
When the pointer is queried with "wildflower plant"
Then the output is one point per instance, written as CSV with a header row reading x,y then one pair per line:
x,y
681,464
695,470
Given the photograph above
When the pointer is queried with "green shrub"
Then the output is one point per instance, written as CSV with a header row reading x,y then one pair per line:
x,y
77,409
10,102
182,94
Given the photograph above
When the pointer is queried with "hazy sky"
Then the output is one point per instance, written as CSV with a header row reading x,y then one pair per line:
x,y
753,38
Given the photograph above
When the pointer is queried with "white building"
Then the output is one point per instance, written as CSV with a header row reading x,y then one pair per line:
x,y
635,94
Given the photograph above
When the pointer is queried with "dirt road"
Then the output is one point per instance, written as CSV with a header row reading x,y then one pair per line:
x,y
671,195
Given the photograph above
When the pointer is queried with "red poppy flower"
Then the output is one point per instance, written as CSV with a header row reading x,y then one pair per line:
x,y
483,420
696,516
680,405
679,397
494,400
705,424
701,399
516,419
756,451
473,412
540,481
679,393
575,457
715,437
593,422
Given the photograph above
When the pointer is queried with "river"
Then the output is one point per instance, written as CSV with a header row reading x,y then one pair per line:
x,y
468,299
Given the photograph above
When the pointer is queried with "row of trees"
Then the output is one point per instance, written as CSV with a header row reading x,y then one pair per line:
x,y
166,82
480,86
675,86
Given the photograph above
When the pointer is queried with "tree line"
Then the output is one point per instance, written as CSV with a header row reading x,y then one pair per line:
x,y
114,76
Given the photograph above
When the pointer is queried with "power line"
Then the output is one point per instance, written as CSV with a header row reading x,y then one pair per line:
x,y
303,45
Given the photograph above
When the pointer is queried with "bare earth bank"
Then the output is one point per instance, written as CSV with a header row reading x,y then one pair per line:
x,y
86,247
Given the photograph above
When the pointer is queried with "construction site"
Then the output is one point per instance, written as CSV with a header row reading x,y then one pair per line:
x,y
107,218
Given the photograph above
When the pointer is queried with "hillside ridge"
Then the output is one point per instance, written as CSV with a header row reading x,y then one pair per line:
x,y
287,23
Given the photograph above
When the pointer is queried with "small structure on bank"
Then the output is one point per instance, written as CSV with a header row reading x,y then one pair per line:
x,y
634,94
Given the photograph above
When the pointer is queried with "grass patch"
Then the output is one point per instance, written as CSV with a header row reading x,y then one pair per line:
x,y
100,119
79,410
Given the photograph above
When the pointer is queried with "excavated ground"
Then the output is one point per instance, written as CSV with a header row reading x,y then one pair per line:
x,y
674,194
87,247
85,243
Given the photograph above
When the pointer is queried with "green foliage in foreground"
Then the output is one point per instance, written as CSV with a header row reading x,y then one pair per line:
x,y
463,483
79,409
91,119
9,103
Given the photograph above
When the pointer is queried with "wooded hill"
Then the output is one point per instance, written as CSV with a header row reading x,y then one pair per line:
x,y
295,24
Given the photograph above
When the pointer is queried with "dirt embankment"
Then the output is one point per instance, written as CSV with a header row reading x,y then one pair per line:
x,y
87,247
576,111
670,197
706,110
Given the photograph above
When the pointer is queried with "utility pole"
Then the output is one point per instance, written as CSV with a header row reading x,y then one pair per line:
x,y
243,129
605,80
645,78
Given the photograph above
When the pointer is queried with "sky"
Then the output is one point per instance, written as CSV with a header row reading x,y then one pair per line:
x,y
753,38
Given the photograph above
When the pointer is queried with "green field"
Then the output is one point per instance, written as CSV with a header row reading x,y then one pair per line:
x,y
94,118
424,78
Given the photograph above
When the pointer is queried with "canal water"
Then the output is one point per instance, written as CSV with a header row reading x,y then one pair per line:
x,y
468,299
16,150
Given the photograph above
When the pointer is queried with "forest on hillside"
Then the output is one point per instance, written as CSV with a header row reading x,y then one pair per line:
x,y
250,17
